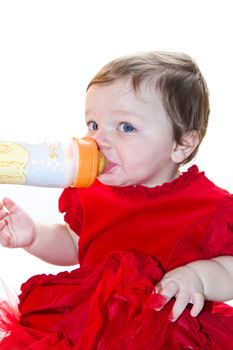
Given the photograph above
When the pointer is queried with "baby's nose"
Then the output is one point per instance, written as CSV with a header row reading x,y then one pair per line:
x,y
103,139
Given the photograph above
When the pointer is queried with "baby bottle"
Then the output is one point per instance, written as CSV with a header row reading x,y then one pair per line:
x,y
51,163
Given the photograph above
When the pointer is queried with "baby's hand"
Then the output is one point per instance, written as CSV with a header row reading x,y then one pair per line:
x,y
17,229
185,285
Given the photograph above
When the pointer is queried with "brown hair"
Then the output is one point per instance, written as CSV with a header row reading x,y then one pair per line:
x,y
177,76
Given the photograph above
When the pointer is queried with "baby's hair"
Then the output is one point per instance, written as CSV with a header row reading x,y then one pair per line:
x,y
176,76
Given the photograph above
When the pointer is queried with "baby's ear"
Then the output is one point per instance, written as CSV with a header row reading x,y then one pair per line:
x,y
187,144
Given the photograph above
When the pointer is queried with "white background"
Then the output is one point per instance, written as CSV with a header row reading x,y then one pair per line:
x,y
50,49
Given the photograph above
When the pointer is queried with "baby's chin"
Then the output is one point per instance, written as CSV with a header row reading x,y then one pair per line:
x,y
109,180
106,180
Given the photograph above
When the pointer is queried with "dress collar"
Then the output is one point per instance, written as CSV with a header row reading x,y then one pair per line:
x,y
184,179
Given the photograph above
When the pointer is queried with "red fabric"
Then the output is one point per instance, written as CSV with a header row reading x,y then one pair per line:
x,y
128,238
185,214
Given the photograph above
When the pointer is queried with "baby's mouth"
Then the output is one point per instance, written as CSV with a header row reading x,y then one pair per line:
x,y
109,165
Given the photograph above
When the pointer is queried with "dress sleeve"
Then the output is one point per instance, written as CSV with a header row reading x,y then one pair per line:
x,y
70,204
219,238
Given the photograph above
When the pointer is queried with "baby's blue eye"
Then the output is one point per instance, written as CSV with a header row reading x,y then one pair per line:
x,y
93,126
126,127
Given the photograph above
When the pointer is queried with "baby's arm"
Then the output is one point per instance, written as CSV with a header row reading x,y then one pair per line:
x,y
196,282
55,244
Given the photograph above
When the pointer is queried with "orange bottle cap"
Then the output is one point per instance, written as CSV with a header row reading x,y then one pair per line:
x,y
91,162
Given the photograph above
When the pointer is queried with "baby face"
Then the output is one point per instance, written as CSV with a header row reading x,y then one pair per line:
x,y
133,132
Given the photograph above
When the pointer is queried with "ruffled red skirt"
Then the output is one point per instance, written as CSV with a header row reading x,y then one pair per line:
x,y
110,307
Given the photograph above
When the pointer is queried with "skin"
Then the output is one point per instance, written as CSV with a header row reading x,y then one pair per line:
x,y
136,137
134,134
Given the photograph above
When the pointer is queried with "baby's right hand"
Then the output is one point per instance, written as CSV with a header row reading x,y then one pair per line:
x,y
17,229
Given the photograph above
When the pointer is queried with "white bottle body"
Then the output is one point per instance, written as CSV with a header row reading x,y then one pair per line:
x,y
46,163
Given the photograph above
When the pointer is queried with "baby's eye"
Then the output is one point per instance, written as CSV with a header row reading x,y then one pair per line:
x,y
92,125
126,127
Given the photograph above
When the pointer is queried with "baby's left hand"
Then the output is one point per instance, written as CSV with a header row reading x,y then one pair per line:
x,y
186,286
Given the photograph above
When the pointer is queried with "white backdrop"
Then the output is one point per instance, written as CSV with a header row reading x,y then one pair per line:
x,y
50,49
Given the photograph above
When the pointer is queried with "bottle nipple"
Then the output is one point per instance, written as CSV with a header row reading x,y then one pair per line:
x,y
102,163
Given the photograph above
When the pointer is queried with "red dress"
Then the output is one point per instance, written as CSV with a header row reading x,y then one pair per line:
x,y
129,237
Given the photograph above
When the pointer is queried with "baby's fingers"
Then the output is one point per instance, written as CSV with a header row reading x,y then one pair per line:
x,y
198,301
3,214
11,206
182,300
5,237
167,292
2,224
8,207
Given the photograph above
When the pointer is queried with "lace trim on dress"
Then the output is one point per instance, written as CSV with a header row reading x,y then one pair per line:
x,y
178,183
